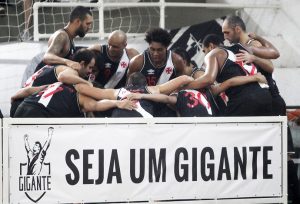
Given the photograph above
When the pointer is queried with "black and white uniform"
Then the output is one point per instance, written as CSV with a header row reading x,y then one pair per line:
x,y
113,74
194,103
144,107
44,76
67,56
158,75
252,99
56,100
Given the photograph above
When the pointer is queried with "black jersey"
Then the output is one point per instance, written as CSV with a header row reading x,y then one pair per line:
x,y
251,99
67,56
192,103
158,75
46,75
56,100
144,107
113,74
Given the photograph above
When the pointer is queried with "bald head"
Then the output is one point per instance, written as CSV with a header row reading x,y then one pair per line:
x,y
118,36
117,42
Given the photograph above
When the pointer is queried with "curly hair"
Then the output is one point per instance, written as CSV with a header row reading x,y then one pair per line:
x,y
158,35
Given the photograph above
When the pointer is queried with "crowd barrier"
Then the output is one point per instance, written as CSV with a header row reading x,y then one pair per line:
x,y
137,160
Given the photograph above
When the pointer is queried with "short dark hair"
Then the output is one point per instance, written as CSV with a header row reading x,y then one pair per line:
x,y
39,144
136,79
79,12
158,35
99,59
183,54
83,54
236,21
211,38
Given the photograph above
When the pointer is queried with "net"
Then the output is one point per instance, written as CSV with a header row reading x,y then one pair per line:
x,y
16,17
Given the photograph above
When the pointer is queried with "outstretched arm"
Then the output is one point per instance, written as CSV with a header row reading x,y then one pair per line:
x,y
47,143
89,105
27,147
237,81
26,91
172,85
96,93
161,98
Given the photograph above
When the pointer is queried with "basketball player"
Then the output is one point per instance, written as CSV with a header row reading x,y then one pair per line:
x,y
61,45
51,74
234,30
157,63
221,64
116,60
62,100
136,83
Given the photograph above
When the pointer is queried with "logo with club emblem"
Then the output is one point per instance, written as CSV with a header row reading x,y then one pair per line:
x,y
35,175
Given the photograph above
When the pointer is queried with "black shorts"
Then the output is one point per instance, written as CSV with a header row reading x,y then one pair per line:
x,y
26,110
256,103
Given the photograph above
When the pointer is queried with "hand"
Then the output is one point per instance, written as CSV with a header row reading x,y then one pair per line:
x,y
252,35
134,96
50,131
26,137
261,78
126,104
245,57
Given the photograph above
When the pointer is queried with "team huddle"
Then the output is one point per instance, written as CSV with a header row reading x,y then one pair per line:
x,y
111,80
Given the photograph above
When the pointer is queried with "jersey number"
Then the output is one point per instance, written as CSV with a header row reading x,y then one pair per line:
x,y
47,93
151,80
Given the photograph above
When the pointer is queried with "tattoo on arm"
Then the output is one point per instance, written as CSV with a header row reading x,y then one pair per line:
x,y
57,46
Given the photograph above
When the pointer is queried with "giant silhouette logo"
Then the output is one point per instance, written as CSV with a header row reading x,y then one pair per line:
x,y
35,175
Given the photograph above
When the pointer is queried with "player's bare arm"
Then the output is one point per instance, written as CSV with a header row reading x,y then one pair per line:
x,y
96,93
56,51
135,64
132,52
181,69
213,61
68,75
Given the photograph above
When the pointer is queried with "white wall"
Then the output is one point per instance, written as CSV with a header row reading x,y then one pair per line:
x,y
280,26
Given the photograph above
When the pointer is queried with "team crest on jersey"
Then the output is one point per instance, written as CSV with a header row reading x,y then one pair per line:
x,y
169,70
150,71
35,175
107,65
123,64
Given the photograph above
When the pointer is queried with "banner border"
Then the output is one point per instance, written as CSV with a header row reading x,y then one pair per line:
x,y
7,122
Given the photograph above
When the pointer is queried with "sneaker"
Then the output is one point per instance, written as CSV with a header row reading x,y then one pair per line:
x,y
2,10
25,36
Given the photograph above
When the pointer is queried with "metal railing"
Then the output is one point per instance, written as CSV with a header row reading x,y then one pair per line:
x,y
161,4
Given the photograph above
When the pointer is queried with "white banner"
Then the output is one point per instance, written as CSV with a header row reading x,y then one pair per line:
x,y
140,162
